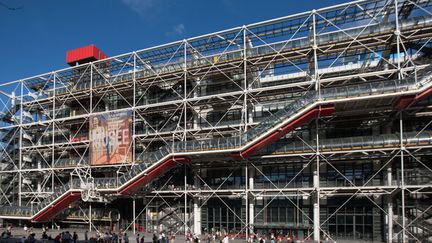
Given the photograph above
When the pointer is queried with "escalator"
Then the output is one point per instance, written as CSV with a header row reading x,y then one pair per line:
x,y
295,114
168,215
9,149
81,216
418,213
361,143
172,218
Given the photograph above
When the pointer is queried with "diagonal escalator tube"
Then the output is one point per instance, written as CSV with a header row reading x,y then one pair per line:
x,y
418,82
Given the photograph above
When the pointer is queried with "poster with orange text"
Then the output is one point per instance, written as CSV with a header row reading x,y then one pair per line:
x,y
110,138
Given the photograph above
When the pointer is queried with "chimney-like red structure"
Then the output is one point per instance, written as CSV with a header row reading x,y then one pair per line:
x,y
84,54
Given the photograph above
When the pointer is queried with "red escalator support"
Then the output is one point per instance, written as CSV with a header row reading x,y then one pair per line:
x,y
67,199
403,102
423,95
319,111
63,203
154,173
406,101
325,110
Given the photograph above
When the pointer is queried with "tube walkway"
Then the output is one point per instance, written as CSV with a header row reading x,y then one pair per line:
x,y
153,164
362,143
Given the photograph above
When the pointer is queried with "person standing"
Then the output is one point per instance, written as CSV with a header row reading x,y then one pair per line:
x,y
57,239
75,237
44,237
138,238
226,239
163,237
67,237
86,236
125,238
115,237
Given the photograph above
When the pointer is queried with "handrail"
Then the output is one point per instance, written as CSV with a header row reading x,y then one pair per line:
x,y
409,139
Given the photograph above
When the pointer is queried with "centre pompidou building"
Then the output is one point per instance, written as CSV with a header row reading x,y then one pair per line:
x,y
311,126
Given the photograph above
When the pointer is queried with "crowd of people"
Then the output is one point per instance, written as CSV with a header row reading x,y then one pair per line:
x,y
223,237
163,238
109,236
62,237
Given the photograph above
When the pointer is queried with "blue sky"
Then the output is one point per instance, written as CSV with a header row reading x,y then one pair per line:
x,y
34,39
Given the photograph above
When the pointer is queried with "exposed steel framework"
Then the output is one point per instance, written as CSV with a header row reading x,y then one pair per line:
x,y
220,121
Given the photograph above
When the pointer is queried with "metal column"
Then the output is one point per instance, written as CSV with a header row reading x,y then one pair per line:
x,y
389,208
134,216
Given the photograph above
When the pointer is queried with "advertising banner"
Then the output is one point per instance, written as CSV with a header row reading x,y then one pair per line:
x,y
110,138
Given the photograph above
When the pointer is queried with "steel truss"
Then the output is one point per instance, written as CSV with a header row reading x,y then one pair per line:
x,y
222,85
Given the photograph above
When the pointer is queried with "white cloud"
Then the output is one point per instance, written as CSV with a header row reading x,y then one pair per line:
x,y
139,6
179,29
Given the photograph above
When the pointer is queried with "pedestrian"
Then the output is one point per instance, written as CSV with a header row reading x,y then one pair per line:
x,y
75,237
163,238
226,239
66,237
106,237
142,239
86,236
57,238
115,238
125,238
31,238
138,238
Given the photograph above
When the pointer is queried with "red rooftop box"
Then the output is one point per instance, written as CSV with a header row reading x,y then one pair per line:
x,y
83,55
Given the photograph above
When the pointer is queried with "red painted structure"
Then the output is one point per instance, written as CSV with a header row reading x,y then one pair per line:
x,y
406,101
166,165
318,111
132,186
129,188
84,54
58,206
